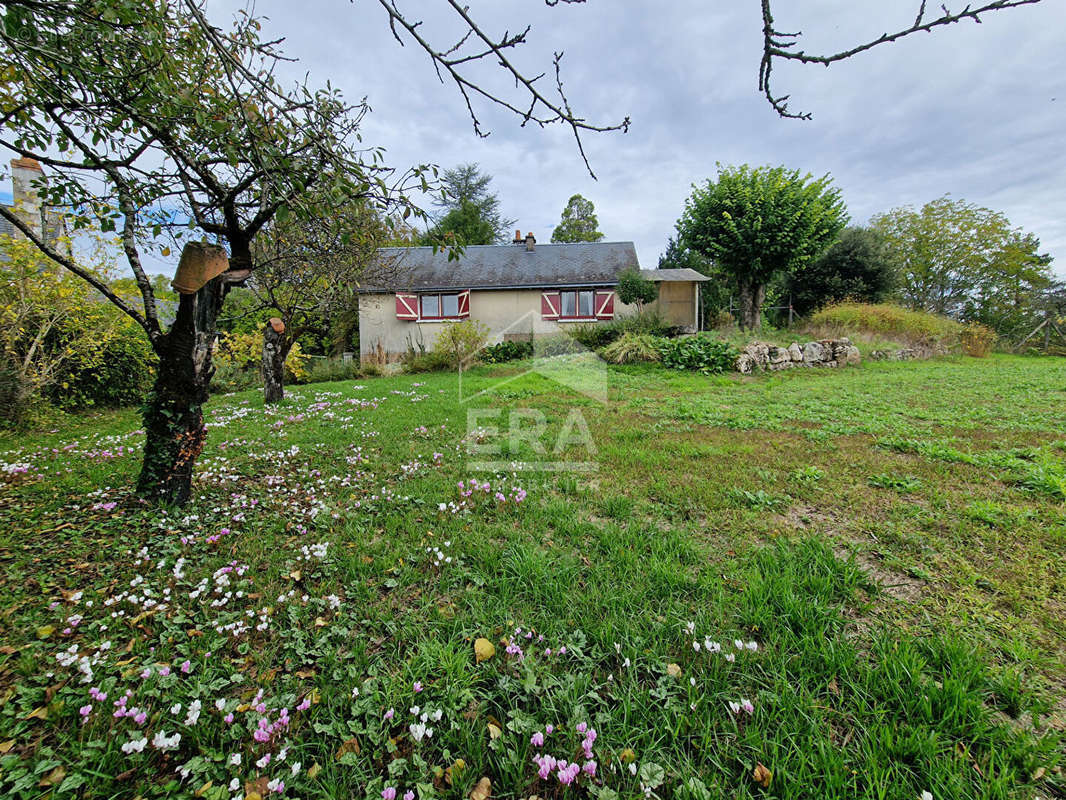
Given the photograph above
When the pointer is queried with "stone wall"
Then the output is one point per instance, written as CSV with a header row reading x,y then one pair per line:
x,y
823,353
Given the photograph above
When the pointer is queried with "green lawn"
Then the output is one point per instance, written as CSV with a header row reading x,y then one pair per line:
x,y
885,543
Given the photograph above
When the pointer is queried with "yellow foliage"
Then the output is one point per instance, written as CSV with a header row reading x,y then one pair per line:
x,y
245,351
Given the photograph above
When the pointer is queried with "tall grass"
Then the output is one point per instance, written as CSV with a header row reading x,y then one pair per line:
x,y
918,329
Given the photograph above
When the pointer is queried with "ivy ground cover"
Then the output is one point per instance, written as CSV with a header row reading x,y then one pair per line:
x,y
828,584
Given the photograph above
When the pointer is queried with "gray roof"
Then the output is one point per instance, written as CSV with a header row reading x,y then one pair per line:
x,y
505,266
6,228
667,275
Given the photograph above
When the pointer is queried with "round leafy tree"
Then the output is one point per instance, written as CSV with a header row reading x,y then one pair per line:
x,y
635,289
578,222
757,223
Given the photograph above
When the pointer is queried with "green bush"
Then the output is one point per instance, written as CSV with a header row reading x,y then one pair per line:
x,y
459,342
119,373
702,352
426,362
633,348
597,335
324,370
506,351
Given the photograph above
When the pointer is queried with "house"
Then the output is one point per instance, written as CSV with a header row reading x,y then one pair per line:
x,y
518,291
46,223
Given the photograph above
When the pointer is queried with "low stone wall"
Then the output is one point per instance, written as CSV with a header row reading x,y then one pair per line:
x,y
823,353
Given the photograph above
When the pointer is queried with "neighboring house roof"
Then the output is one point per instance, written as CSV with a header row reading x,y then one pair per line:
x,y
670,275
506,266
6,228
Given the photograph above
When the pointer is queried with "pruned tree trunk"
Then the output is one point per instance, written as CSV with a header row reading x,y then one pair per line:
x,y
274,352
752,296
173,416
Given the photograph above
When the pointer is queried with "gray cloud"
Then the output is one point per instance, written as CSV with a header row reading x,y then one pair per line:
x,y
976,111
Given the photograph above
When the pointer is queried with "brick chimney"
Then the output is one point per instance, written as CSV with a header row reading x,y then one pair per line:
x,y
518,237
531,242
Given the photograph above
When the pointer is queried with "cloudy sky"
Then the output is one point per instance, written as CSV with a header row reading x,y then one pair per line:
x,y
977,111
974,111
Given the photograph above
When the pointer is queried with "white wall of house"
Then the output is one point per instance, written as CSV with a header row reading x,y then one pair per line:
x,y
503,311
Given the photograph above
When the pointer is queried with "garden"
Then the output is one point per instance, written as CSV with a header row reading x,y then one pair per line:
x,y
814,584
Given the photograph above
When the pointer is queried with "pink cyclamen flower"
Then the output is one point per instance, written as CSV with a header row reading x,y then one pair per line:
x,y
417,687
582,727
228,719
390,713
537,739
304,704
589,768
388,793
186,666
85,710
548,729
408,795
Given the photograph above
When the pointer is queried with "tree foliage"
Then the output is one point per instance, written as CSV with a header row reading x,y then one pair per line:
x,y
57,342
635,289
858,266
960,259
462,226
471,213
757,223
578,222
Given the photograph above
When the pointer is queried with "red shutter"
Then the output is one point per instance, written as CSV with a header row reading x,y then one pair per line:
x,y
604,305
407,306
549,305
464,304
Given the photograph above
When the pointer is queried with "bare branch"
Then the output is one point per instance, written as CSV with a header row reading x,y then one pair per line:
x,y
541,109
777,44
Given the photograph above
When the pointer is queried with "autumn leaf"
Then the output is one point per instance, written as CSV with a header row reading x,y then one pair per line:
x,y
762,776
483,790
5,747
52,778
41,712
45,631
494,731
312,773
350,746
203,789
673,670
483,649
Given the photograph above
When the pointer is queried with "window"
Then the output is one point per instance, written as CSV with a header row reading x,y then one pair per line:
x,y
449,305
577,305
441,306
430,305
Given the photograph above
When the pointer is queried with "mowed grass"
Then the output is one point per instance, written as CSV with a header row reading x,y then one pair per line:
x,y
884,543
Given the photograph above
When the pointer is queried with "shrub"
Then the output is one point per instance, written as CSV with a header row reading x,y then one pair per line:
x,y
702,352
459,342
323,370
58,344
244,351
119,372
632,348
977,339
506,351
635,289
915,328
426,362
595,336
